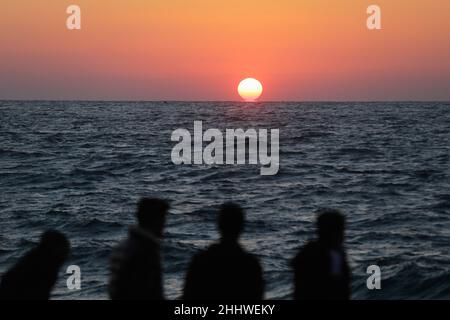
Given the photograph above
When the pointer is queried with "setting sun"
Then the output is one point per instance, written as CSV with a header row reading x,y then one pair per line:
x,y
250,89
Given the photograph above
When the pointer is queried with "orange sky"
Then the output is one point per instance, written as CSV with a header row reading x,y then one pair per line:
x,y
201,49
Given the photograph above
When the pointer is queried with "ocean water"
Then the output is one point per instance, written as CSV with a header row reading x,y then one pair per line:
x,y
80,167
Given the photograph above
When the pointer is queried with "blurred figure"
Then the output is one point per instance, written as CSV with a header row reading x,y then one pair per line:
x,y
321,268
34,276
225,270
136,271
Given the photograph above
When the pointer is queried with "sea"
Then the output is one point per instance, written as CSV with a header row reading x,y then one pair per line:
x,y
80,167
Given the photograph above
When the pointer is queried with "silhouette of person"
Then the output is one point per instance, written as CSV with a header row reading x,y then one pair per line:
x,y
224,270
35,274
321,268
136,272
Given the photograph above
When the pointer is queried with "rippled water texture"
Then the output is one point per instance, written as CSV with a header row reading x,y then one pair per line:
x,y
80,167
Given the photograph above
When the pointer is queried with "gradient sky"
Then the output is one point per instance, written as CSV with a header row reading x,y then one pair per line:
x,y
201,49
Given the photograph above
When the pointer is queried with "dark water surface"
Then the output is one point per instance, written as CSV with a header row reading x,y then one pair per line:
x,y
80,167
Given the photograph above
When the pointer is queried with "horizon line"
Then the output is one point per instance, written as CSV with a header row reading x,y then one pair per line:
x,y
218,101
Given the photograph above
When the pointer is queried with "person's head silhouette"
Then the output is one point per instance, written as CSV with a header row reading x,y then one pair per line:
x,y
151,215
55,246
231,221
331,227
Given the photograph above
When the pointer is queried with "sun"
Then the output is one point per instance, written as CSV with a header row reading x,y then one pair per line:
x,y
250,89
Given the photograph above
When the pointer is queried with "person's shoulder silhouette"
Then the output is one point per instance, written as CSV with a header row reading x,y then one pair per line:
x,y
136,271
225,270
321,268
35,274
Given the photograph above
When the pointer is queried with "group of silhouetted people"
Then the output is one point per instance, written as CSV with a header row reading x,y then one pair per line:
x,y
224,271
